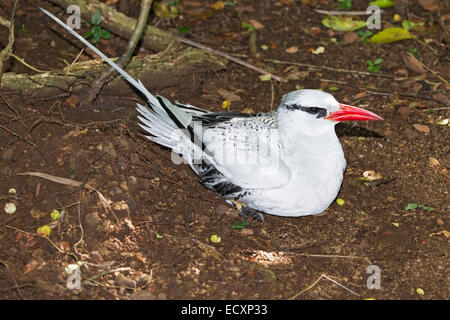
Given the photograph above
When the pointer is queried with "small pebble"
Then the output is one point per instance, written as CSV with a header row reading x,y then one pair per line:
x,y
114,190
10,208
247,232
109,171
121,165
124,185
92,220
132,180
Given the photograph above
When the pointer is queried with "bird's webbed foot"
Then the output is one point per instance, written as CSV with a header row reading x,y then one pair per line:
x,y
247,213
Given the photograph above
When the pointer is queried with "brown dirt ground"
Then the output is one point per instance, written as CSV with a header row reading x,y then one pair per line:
x,y
276,259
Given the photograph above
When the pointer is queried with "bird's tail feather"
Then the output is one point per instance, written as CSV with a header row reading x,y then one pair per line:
x,y
165,119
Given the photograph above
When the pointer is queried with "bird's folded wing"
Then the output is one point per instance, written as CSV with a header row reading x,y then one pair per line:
x,y
248,154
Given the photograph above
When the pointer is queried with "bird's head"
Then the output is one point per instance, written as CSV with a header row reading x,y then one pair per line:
x,y
314,112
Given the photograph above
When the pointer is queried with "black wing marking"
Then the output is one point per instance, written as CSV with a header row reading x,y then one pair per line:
x,y
213,118
214,180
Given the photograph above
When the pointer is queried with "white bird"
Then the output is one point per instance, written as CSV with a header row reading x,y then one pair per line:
x,y
287,163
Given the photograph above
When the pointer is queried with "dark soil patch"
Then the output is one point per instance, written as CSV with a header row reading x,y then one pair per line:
x,y
161,219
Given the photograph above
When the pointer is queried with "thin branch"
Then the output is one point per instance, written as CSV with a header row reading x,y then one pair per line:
x,y
340,13
69,182
9,47
228,57
324,276
17,135
4,22
101,80
363,73
409,95
345,13
22,61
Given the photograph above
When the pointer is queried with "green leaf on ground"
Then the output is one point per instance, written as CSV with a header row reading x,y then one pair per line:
x,y
408,25
414,206
184,29
265,77
248,26
391,35
97,33
383,3
239,225
343,23
344,4
97,17
105,34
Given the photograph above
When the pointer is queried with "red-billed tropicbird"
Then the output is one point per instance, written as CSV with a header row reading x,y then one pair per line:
x,y
287,163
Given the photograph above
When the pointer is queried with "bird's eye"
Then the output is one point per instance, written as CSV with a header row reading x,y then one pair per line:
x,y
321,112
313,110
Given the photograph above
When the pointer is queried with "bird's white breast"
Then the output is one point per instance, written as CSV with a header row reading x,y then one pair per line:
x,y
317,166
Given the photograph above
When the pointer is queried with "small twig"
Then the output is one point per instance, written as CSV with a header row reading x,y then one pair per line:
x,y
16,286
36,234
333,81
328,256
339,13
436,109
4,22
330,68
209,250
22,61
75,246
317,281
17,135
74,60
9,106
409,95
9,47
228,57
435,73
69,182
272,98
102,79
252,43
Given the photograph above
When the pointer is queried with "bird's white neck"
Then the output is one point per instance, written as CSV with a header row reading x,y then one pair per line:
x,y
319,156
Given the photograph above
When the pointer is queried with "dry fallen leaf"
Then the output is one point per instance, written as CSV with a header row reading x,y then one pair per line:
x,y
73,100
359,95
25,240
413,64
421,127
292,73
429,5
292,50
219,5
202,13
75,133
444,232
230,96
30,266
351,37
64,245
248,110
371,175
256,24
433,161
443,122
319,50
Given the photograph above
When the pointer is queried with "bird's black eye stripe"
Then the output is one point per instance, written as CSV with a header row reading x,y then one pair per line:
x,y
321,112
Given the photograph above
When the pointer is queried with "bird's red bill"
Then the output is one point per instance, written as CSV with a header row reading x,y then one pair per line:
x,y
347,113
